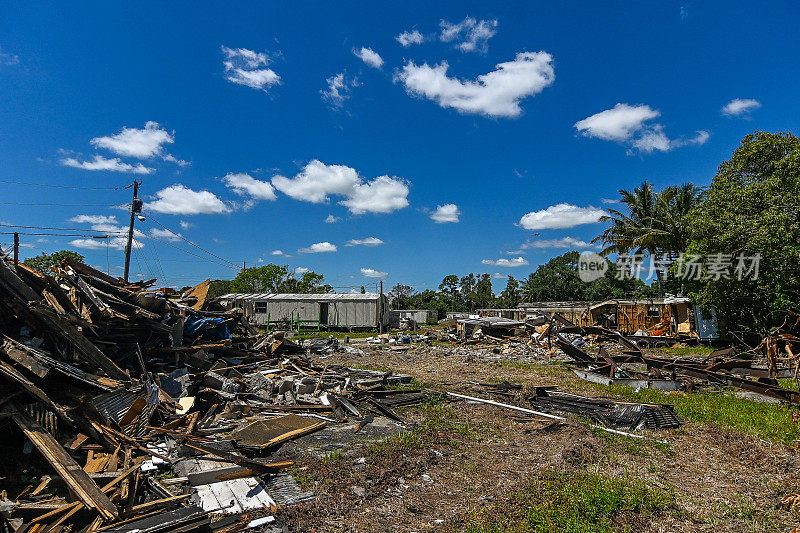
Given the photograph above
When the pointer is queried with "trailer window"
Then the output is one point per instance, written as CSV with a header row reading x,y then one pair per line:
x,y
260,308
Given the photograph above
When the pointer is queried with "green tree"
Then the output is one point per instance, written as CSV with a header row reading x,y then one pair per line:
x,y
467,288
400,296
449,289
267,278
558,280
44,263
510,296
484,295
752,208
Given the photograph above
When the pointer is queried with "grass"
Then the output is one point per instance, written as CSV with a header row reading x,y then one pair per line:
x,y
768,421
579,502
683,351
764,420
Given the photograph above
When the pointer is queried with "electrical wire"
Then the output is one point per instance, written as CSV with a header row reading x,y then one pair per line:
x,y
150,217
63,205
62,186
55,234
60,229
194,254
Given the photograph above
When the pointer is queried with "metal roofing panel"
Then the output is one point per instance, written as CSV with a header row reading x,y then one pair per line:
x,y
326,297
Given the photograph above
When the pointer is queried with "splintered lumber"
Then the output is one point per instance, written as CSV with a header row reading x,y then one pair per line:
x,y
69,333
70,471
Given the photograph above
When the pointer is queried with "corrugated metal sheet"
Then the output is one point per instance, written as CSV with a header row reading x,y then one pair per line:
x,y
326,297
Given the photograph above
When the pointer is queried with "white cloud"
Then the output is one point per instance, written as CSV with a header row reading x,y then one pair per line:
x,y
563,242
8,59
277,252
407,38
609,201
446,213
116,235
94,219
508,263
498,275
248,68
186,225
246,185
180,200
317,181
740,106
472,35
318,248
619,123
144,143
369,241
332,219
372,273
369,56
115,164
381,195
301,270
631,124
339,87
561,216
495,94
158,233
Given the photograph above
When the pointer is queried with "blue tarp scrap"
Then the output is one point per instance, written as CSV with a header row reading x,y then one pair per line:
x,y
212,328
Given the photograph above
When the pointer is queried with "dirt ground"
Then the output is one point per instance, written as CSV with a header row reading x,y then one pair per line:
x,y
469,466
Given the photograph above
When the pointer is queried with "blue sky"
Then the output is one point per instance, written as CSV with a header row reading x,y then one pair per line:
x,y
250,125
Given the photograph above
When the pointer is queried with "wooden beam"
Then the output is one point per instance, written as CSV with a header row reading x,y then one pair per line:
x,y
70,471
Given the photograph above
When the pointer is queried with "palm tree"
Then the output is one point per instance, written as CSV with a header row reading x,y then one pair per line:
x,y
655,222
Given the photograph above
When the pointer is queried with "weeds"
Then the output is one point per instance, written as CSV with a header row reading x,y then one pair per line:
x,y
575,502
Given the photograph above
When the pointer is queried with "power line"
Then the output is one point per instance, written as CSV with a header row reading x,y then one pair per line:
x,y
237,267
192,254
62,205
61,186
58,229
55,234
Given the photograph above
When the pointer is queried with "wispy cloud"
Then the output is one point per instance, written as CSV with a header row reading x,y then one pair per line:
x,y
114,164
407,38
246,185
369,56
563,242
332,219
249,68
369,241
740,107
471,35
339,89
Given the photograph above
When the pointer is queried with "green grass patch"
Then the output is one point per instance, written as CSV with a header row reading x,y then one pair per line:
x,y
685,351
579,502
768,421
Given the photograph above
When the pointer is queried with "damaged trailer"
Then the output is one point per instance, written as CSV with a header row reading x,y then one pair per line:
x,y
329,311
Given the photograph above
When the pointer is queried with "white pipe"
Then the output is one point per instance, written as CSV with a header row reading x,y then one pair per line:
x,y
546,415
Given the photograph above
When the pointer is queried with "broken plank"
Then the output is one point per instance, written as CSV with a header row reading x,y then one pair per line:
x,y
70,471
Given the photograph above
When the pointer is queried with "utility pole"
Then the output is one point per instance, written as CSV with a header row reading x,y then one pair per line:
x,y
380,306
16,250
136,207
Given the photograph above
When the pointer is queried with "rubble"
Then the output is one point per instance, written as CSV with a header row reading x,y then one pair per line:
x,y
157,413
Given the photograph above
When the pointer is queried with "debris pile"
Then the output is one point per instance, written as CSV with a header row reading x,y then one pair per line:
x,y
149,413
